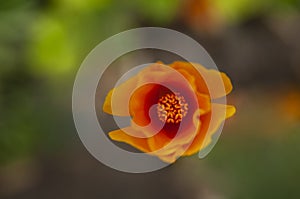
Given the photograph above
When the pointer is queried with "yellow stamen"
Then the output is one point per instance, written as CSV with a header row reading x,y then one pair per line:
x,y
172,108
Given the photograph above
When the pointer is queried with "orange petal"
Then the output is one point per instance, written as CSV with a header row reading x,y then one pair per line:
x,y
166,146
214,78
203,138
117,100
230,111
171,157
158,141
203,103
141,101
152,84
121,136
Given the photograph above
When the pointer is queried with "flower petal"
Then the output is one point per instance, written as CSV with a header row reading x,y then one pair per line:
x,y
115,101
154,82
121,136
213,77
141,101
167,147
203,103
205,133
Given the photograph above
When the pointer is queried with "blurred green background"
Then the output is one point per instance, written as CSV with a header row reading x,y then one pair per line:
x,y
42,44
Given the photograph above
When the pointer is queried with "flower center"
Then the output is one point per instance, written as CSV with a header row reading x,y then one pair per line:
x,y
172,108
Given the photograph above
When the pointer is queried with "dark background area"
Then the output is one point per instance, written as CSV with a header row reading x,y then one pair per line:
x,y
42,44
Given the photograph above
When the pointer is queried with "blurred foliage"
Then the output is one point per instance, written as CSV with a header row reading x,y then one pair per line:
x,y
42,44
260,167
236,11
156,11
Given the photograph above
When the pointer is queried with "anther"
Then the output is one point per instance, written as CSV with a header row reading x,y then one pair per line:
x,y
172,108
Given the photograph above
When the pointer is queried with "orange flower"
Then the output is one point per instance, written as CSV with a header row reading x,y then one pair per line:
x,y
290,105
170,107
201,15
